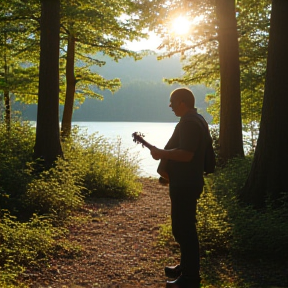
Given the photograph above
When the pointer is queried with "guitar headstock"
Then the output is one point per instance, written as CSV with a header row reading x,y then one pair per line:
x,y
138,137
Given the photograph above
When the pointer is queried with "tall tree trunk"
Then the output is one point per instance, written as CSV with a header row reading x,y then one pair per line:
x,y
7,109
48,146
70,88
6,90
231,141
268,175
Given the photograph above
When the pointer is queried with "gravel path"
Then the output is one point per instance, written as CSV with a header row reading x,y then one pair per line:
x,y
119,245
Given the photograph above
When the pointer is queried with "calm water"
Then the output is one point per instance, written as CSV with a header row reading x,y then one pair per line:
x,y
155,133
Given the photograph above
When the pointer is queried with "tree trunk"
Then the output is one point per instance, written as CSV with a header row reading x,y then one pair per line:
x,y
70,88
268,175
6,91
7,109
230,139
48,146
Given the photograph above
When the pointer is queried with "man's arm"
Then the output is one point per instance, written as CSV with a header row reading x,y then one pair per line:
x,y
172,154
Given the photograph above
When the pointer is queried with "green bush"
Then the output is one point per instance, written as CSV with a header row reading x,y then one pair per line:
x,y
91,166
261,234
254,233
214,229
56,192
24,245
16,149
225,224
105,168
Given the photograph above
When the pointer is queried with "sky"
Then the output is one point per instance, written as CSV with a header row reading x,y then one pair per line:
x,y
180,26
152,43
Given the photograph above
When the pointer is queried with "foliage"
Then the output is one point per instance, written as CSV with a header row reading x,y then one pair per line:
x,y
200,57
25,245
19,43
16,149
255,233
96,27
225,224
213,223
105,169
56,192
92,166
262,234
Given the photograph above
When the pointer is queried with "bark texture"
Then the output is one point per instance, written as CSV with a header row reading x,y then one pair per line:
x,y
70,88
269,172
231,141
47,144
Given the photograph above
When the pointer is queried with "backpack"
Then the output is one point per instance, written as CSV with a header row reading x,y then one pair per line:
x,y
210,158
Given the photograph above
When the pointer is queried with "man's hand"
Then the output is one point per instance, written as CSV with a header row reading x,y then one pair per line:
x,y
156,153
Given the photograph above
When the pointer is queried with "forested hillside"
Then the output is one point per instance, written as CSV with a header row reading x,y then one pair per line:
x,y
143,95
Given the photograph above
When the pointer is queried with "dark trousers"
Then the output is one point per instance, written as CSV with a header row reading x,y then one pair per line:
x,y
183,216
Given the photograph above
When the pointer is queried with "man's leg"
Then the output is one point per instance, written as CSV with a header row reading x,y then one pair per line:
x,y
183,215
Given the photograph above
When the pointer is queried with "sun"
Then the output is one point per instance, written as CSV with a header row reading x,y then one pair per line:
x,y
180,25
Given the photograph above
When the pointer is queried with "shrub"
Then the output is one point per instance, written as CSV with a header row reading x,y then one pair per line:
x,y
55,192
214,229
24,245
105,168
255,233
16,149
91,166
225,223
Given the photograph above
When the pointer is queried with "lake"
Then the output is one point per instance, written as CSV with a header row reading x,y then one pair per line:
x,y
155,133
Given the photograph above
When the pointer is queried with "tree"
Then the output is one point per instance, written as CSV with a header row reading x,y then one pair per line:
x,y
230,137
15,74
99,28
202,65
216,33
268,174
47,145
253,18
5,75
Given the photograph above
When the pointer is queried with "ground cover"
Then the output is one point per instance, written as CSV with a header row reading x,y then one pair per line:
x,y
120,248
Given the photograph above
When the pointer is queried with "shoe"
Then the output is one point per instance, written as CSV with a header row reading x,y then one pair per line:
x,y
173,271
184,282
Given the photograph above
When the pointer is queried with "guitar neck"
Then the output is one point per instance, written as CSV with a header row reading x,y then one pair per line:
x,y
146,144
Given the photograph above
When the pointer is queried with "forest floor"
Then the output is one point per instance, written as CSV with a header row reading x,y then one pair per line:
x,y
120,248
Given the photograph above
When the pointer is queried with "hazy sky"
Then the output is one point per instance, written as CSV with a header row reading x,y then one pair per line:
x,y
152,43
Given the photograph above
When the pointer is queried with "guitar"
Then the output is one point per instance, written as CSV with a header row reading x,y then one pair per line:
x,y
138,138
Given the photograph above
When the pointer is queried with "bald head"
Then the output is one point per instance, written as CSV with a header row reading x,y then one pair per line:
x,y
184,95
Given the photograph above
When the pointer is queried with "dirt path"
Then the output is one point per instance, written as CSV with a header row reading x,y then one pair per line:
x,y
119,245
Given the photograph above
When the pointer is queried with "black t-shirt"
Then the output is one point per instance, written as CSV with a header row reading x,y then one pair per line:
x,y
189,135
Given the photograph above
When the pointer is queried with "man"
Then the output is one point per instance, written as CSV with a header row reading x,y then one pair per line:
x,y
182,164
